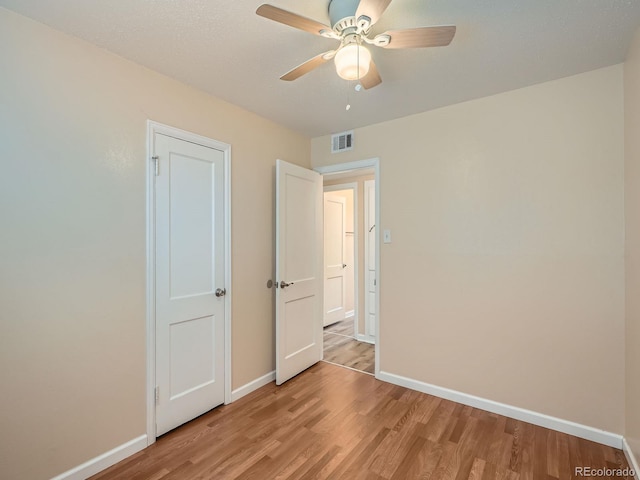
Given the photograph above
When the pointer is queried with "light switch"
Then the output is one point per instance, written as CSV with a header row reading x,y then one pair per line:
x,y
387,236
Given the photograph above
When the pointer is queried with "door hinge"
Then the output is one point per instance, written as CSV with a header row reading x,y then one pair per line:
x,y
157,393
156,164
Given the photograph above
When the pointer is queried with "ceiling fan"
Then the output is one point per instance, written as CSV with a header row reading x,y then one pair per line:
x,y
351,24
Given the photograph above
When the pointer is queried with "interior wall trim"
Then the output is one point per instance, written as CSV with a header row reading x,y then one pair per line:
x,y
107,459
631,458
366,339
565,426
104,461
253,385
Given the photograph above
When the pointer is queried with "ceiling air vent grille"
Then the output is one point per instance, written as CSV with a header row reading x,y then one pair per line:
x,y
342,142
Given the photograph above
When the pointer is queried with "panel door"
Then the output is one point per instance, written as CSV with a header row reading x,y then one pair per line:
x,y
298,270
189,246
335,288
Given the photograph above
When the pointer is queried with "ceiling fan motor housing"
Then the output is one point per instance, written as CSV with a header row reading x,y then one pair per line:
x,y
342,14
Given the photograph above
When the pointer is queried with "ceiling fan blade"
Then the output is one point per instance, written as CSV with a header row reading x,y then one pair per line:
x,y
372,9
293,19
420,37
372,78
307,66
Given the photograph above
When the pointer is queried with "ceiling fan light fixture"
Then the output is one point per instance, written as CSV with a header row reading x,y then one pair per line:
x,y
352,61
351,22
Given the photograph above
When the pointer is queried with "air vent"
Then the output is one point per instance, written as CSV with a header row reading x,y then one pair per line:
x,y
342,142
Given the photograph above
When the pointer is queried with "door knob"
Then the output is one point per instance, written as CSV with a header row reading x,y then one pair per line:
x,y
284,284
221,292
344,265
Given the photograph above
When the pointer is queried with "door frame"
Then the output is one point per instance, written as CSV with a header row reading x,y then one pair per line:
x,y
355,166
356,235
366,337
152,129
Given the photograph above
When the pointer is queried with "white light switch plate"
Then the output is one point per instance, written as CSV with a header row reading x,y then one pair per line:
x,y
387,236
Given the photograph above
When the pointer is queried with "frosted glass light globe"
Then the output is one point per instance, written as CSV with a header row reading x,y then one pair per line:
x,y
347,63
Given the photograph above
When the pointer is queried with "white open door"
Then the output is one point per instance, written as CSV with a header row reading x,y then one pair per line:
x,y
299,272
189,281
370,267
335,288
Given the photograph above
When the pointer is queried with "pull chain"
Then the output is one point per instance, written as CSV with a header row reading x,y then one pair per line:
x,y
348,107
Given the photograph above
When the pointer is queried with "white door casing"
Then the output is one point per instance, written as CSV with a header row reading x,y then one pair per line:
x,y
299,271
360,166
189,268
370,273
334,258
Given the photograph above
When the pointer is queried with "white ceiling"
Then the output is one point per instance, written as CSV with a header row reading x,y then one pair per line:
x,y
224,48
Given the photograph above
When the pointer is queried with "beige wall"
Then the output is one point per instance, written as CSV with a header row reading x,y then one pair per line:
x,y
506,262
359,181
505,278
72,277
632,224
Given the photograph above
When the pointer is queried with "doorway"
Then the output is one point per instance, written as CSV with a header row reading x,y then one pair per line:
x,y
188,277
351,282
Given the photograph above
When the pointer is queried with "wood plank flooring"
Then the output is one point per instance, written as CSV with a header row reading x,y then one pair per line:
x,y
333,423
345,327
342,349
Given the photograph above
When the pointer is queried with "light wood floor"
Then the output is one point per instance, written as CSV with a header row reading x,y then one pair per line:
x,y
345,327
340,347
331,422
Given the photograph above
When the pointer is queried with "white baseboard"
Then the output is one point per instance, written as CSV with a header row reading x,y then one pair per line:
x,y
101,462
540,419
125,450
238,393
631,458
349,314
365,338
